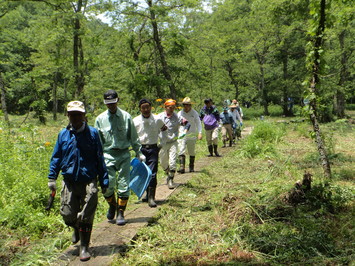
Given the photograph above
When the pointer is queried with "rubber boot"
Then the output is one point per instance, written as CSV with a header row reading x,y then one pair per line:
x,y
192,164
151,197
85,234
230,143
76,236
112,207
210,149
215,151
182,159
121,207
170,179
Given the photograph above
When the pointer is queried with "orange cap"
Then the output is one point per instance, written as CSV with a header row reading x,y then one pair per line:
x,y
169,102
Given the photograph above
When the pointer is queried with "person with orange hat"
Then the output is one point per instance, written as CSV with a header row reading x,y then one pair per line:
x,y
188,142
168,140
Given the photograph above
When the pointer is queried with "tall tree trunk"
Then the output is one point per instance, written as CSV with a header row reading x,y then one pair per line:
x,y
318,41
78,53
344,76
3,100
157,40
234,82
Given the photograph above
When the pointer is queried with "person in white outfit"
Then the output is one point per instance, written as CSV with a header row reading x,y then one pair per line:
x,y
168,140
148,127
188,141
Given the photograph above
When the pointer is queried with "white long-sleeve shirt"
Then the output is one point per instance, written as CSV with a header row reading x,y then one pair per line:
x,y
148,129
193,117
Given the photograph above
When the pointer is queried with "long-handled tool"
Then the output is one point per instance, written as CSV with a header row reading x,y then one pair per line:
x,y
50,200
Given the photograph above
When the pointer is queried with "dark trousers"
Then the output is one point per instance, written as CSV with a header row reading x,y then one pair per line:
x,y
151,154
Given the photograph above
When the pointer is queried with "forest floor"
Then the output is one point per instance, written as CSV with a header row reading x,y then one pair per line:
x,y
108,239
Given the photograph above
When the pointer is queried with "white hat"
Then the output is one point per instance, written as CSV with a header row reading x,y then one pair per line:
x,y
186,100
76,106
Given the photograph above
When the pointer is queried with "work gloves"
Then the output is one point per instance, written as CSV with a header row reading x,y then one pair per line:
x,y
141,157
52,184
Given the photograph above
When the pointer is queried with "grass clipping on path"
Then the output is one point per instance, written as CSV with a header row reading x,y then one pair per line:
x,y
235,212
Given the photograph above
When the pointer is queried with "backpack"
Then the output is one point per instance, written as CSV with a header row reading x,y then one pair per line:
x,y
210,121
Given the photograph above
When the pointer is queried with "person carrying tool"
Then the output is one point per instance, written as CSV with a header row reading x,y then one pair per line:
x,y
168,140
188,142
78,155
148,127
117,134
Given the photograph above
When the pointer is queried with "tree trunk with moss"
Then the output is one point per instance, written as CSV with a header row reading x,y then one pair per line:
x,y
317,45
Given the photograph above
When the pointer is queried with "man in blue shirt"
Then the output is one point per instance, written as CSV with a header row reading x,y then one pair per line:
x,y
227,122
78,155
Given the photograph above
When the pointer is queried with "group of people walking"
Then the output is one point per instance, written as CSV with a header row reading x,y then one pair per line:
x,y
87,156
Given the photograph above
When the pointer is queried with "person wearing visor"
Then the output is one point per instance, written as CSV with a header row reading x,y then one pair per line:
x,y
148,127
117,134
168,140
78,155
188,142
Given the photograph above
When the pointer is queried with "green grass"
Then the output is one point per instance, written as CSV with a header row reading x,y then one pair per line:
x,y
231,213
235,212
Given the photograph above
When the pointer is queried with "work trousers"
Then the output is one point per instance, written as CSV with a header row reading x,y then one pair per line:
x,y
118,169
167,155
212,136
227,129
187,144
151,154
78,202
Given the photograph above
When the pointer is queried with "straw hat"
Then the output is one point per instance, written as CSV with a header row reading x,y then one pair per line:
x,y
186,100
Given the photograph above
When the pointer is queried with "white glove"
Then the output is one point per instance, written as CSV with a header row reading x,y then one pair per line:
x,y
141,158
52,184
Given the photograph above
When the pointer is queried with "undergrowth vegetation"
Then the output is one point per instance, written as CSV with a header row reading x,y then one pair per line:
x,y
236,211
233,212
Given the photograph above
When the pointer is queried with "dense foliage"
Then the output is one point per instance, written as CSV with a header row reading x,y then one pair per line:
x,y
255,51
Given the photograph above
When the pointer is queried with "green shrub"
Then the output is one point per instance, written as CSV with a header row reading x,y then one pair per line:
x,y
262,140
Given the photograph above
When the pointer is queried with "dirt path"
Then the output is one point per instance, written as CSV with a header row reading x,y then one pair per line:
x,y
108,239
